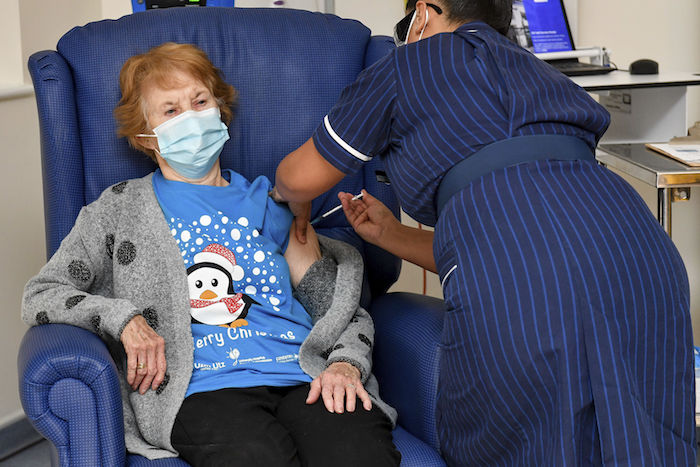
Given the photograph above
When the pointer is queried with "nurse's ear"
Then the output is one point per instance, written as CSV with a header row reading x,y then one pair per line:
x,y
420,22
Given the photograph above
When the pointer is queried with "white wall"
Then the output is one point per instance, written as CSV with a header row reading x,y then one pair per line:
x,y
22,248
10,52
380,16
666,31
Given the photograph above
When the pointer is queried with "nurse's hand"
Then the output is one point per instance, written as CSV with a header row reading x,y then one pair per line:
x,y
145,355
370,218
302,216
376,224
340,386
301,211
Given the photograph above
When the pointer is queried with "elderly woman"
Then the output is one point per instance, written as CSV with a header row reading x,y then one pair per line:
x,y
219,361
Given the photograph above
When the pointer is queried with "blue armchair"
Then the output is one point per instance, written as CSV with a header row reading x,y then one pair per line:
x,y
289,68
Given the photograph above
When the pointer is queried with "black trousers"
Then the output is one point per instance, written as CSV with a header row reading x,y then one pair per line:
x,y
273,426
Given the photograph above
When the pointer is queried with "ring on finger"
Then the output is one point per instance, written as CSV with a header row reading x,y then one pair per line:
x,y
140,366
350,385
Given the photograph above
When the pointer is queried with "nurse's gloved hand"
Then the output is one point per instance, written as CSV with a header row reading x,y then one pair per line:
x,y
370,218
340,386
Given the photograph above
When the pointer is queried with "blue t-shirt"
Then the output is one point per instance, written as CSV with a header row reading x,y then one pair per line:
x,y
247,327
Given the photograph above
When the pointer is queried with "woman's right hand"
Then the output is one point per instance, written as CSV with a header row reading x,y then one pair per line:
x,y
145,354
370,218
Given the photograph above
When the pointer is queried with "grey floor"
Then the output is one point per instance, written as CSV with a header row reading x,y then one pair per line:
x,y
37,455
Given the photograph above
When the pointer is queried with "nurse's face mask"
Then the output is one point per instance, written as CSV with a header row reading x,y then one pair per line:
x,y
403,27
191,142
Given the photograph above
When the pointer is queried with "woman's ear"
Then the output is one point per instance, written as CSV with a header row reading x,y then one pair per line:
x,y
146,143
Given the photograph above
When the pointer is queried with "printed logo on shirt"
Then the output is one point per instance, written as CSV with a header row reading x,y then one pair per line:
x,y
209,366
233,354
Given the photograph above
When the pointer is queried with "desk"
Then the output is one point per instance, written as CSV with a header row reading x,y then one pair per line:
x,y
652,168
644,108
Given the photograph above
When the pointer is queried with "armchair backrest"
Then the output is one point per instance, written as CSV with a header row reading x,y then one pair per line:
x,y
288,66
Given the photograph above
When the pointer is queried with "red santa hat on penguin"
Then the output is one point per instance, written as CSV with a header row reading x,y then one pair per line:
x,y
221,256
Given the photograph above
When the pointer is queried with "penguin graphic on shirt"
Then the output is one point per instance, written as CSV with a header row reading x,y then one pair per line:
x,y
212,297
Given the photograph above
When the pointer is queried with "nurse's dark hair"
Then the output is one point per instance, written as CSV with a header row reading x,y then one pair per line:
x,y
495,13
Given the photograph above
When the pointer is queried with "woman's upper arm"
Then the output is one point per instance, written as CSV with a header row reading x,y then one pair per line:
x,y
300,256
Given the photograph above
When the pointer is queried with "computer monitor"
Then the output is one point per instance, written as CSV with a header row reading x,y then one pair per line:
x,y
541,26
142,5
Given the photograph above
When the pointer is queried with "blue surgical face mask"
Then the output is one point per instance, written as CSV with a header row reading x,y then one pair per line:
x,y
191,142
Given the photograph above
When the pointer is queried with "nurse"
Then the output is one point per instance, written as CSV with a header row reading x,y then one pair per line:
x,y
567,336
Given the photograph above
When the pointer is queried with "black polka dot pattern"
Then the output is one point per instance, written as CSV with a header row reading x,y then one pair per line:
x,y
119,187
338,347
74,300
109,243
42,318
96,322
365,340
151,317
161,386
79,271
126,253
325,354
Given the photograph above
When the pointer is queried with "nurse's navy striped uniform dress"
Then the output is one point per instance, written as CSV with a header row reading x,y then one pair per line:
x,y
567,339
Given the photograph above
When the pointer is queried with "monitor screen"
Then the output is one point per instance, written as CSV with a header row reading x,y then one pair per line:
x,y
540,26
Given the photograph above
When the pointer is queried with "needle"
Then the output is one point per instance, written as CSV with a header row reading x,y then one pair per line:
x,y
335,209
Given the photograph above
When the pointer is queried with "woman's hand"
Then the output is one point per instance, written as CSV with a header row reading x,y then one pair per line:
x,y
339,385
145,354
370,218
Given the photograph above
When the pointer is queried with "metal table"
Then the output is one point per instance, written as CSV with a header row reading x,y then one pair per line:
x,y
671,178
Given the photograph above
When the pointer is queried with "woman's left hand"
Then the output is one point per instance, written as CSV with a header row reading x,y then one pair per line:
x,y
339,385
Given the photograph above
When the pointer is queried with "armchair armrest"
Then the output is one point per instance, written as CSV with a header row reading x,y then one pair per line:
x,y
70,392
406,358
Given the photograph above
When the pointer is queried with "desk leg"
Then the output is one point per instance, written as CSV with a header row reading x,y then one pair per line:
x,y
664,209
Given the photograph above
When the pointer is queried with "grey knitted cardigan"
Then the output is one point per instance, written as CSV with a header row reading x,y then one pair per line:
x,y
120,260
